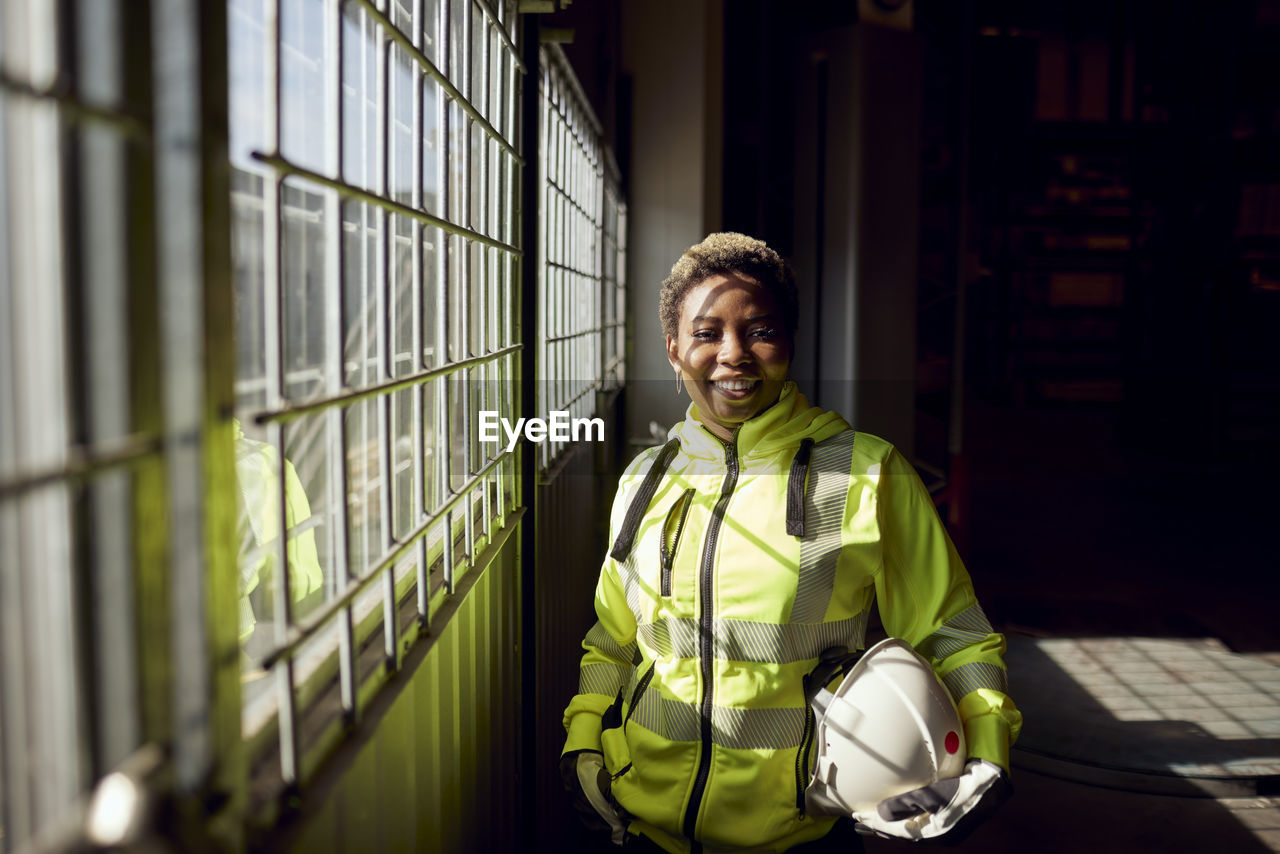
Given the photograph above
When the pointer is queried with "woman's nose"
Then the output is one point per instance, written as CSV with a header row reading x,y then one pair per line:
x,y
732,350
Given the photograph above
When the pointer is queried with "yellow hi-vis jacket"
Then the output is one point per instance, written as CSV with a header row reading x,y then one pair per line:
x,y
734,565
259,528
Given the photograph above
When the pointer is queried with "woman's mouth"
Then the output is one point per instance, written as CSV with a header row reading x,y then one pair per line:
x,y
735,388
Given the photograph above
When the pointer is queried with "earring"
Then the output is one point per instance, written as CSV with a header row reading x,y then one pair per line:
x,y
679,384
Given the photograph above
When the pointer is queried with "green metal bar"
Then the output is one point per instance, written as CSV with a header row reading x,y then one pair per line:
x,y
429,67
289,650
130,126
292,412
283,165
83,463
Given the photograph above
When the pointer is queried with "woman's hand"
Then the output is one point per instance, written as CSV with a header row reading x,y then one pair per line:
x,y
951,807
588,782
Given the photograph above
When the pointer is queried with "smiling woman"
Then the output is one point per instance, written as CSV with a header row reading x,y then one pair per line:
x,y
728,310
746,551
730,350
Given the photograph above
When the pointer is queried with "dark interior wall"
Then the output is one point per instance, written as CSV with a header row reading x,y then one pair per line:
x,y
594,49
1100,183
1170,104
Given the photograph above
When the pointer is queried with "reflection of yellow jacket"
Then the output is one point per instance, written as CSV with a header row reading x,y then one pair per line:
x,y
725,582
258,526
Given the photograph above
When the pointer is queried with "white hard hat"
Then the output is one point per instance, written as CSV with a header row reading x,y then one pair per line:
x,y
889,728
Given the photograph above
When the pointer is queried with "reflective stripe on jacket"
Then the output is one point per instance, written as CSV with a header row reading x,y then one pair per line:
x,y
739,564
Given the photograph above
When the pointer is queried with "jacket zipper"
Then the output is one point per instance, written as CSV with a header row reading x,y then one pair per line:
x,y
640,688
802,758
706,577
668,555
636,694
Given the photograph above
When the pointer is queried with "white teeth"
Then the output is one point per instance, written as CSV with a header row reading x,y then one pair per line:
x,y
735,385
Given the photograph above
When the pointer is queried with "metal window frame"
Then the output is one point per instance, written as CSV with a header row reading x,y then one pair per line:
x,y
446,534
580,205
128,256
176,453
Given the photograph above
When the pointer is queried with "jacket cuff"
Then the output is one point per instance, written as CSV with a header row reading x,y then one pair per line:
x,y
991,723
987,738
584,733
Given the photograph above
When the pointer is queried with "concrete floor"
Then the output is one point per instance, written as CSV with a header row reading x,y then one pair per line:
x,y
1138,593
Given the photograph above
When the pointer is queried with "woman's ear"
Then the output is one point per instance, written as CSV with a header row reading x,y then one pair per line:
x,y
673,353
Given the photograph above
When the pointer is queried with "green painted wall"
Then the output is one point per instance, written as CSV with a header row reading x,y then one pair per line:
x,y
434,768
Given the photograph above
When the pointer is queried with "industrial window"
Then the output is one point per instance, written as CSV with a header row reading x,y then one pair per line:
x,y
63,453
374,214
102,398
582,284
375,200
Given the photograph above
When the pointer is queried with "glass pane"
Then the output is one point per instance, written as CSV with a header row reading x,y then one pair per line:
x,y
364,482
441,434
497,58
359,254
430,26
457,298
458,209
433,272
246,74
458,47
478,307
403,509
478,196
303,235
459,420
401,145
262,484
302,82
479,88
477,389
431,495
433,164
493,280
402,15
359,97
403,285
247,249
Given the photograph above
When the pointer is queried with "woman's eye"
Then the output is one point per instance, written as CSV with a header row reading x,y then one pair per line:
x,y
704,334
766,333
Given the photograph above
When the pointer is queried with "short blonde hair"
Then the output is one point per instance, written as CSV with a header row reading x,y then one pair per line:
x,y
725,253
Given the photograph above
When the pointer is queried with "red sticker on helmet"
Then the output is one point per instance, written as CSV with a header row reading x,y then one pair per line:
x,y
953,742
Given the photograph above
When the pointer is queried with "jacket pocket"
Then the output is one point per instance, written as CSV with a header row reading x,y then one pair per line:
x,y
613,740
669,542
613,727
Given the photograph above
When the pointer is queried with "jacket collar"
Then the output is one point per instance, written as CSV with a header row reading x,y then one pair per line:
x,y
782,425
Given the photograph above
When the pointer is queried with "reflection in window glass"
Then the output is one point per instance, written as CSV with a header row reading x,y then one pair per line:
x,y
367,433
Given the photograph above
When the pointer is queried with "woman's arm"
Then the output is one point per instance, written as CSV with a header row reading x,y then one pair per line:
x,y
926,598
609,659
611,643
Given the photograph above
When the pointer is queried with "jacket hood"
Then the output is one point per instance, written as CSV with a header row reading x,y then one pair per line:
x,y
780,426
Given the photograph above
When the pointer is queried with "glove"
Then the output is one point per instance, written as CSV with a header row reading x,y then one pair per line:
x,y
951,807
587,780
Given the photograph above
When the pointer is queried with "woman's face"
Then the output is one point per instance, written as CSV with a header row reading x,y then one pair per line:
x,y
732,350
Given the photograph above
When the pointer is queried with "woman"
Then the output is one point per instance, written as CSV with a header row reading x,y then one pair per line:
x,y
757,538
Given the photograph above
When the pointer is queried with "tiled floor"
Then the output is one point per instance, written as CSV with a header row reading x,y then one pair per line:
x,y
1166,705
1150,743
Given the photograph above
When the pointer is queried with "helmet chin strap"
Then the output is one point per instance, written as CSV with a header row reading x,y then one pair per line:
x,y
835,660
